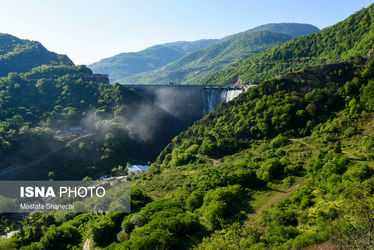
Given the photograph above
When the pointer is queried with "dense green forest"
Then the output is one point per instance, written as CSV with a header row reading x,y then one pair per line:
x,y
127,64
196,64
18,55
288,164
39,109
342,41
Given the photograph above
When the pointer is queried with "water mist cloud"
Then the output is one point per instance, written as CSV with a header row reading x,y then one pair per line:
x,y
140,123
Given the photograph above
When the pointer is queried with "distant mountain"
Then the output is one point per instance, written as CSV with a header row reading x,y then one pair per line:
x,y
19,55
352,37
128,64
191,67
292,29
194,65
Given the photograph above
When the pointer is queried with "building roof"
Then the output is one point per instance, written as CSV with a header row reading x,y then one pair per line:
x,y
138,168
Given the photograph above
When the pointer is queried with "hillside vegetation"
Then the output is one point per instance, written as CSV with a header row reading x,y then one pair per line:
x,y
342,41
309,130
219,184
39,108
288,164
193,66
18,55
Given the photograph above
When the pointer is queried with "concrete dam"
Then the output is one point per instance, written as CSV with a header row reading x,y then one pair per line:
x,y
187,103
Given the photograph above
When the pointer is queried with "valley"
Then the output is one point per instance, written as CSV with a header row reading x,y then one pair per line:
x,y
263,139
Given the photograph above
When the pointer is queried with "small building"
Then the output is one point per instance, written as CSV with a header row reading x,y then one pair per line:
x,y
137,169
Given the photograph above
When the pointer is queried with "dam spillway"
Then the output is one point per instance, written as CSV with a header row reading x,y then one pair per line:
x,y
187,103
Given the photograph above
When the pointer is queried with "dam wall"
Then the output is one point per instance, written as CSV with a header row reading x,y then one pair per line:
x,y
187,103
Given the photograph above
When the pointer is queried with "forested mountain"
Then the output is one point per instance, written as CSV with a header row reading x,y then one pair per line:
x,y
128,64
18,55
39,109
191,67
292,29
309,134
288,164
352,37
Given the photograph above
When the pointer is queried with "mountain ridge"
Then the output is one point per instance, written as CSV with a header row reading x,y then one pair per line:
x,y
200,62
335,43
21,55
242,45
129,63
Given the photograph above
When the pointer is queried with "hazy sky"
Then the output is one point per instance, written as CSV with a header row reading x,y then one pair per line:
x,y
89,30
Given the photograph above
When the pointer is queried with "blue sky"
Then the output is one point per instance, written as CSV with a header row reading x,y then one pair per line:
x,y
89,30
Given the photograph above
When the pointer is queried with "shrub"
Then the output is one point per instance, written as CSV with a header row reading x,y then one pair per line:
x,y
104,231
279,141
270,169
357,172
195,200
218,205
63,237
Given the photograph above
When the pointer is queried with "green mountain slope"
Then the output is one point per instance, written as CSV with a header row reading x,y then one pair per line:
x,y
127,64
191,67
18,55
40,109
288,164
349,38
292,29
279,166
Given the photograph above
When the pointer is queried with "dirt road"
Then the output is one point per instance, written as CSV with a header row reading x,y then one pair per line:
x,y
270,202
87,244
